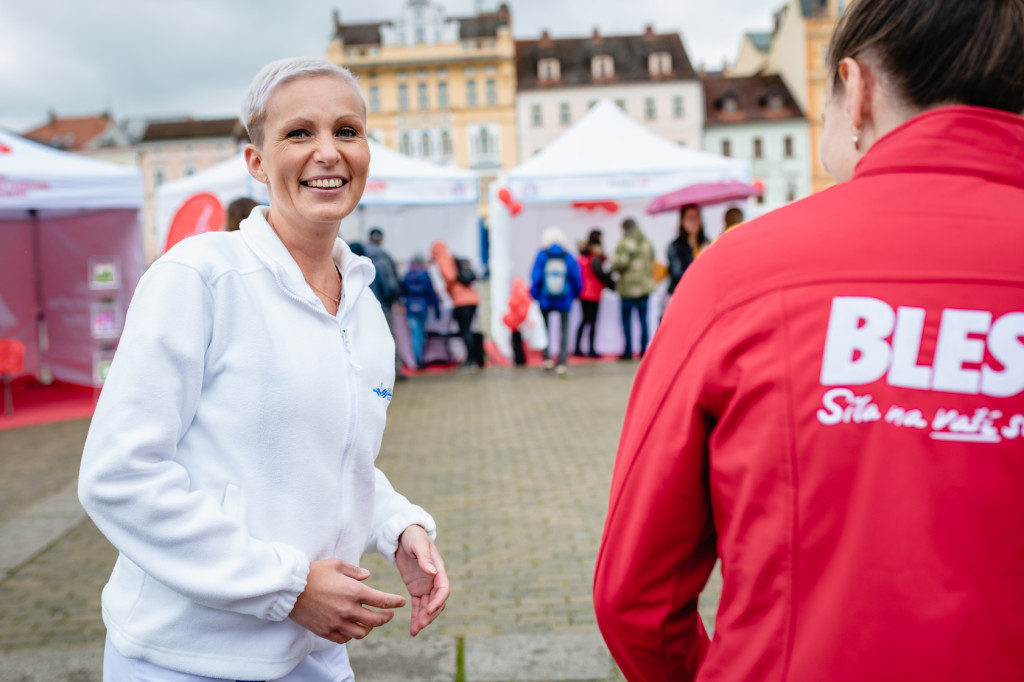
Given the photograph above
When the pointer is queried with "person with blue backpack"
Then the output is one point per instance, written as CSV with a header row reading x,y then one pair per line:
x,y
420,298
555,284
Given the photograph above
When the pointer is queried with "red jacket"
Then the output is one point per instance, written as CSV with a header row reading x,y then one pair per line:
x,y
592,286
834,407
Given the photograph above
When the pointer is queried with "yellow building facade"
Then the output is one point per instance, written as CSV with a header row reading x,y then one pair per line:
x,y
797,50
438,88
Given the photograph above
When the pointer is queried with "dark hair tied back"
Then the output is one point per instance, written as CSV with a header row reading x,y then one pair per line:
x,y
938,52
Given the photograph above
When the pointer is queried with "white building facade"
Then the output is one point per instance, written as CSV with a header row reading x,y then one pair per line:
x,y
755,118
648,76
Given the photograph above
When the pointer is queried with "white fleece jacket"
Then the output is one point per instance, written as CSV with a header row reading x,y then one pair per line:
x,y
233,443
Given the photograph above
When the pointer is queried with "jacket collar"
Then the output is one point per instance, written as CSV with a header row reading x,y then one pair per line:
x,y
357,271
975,140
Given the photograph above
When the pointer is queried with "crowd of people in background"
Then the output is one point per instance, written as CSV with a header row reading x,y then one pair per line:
x,y
558,280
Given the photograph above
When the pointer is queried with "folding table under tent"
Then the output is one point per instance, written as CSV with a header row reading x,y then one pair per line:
x,y
602,170
412,201
72,255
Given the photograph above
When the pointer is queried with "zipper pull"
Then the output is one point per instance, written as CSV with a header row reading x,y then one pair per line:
x,y
348,347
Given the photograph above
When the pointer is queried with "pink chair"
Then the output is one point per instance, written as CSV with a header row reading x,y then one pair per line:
x,y
12,358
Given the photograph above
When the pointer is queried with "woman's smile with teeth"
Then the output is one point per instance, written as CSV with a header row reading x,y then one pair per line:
x,y
327,183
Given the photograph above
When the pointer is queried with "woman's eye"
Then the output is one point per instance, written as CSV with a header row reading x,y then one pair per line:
x,y
299,132
347,132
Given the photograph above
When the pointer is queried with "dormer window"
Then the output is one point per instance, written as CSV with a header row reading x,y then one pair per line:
x,y
773,101
659,63
730,104
602,66
549,69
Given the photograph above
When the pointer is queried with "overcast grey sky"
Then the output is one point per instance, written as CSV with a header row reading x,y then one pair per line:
x,y
152,58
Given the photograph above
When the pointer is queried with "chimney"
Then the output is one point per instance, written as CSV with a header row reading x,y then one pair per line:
x,y
52,114
337,21
648,31
545,39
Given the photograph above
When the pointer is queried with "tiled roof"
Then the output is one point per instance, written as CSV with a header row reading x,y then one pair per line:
x,y
629,54
70,133
762,41
359,34
756,98
188,128
812,7
483,25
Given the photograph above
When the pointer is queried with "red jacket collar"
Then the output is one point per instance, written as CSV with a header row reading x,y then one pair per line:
x,y
959,138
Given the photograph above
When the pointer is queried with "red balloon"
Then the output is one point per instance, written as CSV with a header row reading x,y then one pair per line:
x,y
505,196
518,305
515,208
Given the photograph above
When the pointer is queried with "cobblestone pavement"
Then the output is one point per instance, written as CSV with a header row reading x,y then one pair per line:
x,y
514,464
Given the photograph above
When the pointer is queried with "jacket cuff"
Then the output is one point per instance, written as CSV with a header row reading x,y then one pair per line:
x,y
392,529
297,566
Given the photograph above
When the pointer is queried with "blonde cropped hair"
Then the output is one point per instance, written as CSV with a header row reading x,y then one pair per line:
x,y
254,105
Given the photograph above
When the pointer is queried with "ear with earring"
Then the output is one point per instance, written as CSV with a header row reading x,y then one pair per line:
x,y
856,139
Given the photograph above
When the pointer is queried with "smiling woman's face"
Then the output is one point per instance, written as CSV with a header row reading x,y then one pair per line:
x,y
315,157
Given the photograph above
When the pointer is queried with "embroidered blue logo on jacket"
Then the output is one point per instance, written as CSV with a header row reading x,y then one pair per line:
x,y
383,392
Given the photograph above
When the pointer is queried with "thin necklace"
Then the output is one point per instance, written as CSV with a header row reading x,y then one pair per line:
x,y
337,301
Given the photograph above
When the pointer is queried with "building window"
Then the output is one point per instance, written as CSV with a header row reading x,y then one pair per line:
x,y
659,63
421,74
403,97
758,148
425,144
190,169
442,95
490,69
158,177
442,73
401,75
549,69
650,110
791,191
424,99
471,93
470,71
787,147
726,148
492,91
564,114
536,116
374,98
405,144
446,144
591,104
677,106
602,66
621,104
483,142
730,104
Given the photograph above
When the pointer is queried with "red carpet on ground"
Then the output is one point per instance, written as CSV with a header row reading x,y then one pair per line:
x,y
34,403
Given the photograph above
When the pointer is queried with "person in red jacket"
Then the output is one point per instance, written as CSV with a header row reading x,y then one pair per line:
x,y
834,405
595,280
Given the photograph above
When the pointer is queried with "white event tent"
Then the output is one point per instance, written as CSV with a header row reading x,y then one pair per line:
x,y
413,202
71,257
599,172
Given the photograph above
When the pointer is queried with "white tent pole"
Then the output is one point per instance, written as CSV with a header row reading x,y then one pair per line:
x,y
45,373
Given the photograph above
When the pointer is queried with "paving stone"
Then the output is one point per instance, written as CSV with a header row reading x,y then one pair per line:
x,y
538,657
420,659
515,466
